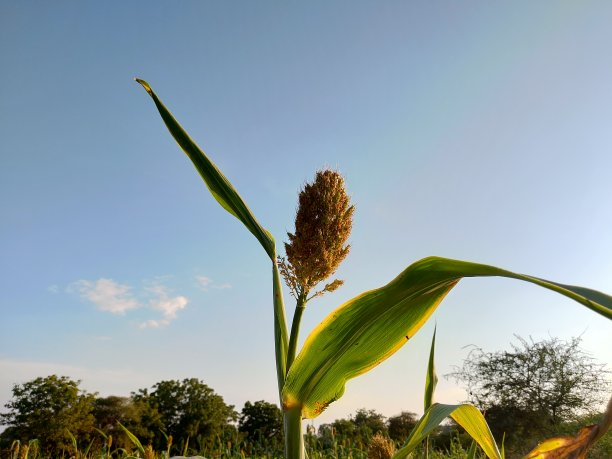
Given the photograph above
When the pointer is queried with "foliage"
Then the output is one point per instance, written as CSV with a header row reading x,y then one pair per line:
x,y
140,418
401,425
530,391
369,423
48,409
188,409
357,430
262,424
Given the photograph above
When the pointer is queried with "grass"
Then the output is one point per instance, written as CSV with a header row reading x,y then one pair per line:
x,y
340,448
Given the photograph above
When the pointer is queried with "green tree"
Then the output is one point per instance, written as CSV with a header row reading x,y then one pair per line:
x,y
136,415
399,426
188,409
354,432
528,393
49,409
262,423
369,423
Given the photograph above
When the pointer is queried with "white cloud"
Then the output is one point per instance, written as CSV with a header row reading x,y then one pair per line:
x,y
153,323
168,306
203,282
206,282
116,298
107,295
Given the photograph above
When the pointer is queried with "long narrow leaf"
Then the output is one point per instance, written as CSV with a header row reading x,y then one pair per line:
x,y
366,330
280,329
431,379
217,183
133,438
225,194
471,454
467,416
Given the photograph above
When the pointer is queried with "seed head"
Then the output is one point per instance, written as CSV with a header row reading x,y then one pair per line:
x,y
322,226
149,453
381,447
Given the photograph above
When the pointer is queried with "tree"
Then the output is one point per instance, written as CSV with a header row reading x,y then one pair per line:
x,y
262,422
533,389
401,425
137,416
369,422
357,430
188,409
48,409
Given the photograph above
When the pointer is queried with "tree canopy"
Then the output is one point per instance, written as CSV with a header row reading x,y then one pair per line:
x,y
189,408
531,390
49,409
262,423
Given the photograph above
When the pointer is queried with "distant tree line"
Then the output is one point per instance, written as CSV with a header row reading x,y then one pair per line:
x,y
182,415
534,391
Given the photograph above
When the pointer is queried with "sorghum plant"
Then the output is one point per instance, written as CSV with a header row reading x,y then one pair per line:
x,y
365,330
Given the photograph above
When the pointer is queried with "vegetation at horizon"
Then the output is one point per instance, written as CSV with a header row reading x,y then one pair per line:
x,y
53,417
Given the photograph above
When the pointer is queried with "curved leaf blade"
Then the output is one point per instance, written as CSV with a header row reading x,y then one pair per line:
x,y
366,330
431,380
467,416
565,446
227,196
576,446
219,186
133,438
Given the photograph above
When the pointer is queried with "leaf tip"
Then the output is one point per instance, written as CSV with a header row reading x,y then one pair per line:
x,y
144,85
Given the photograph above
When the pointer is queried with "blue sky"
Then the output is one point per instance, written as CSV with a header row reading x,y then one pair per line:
x,y
479,132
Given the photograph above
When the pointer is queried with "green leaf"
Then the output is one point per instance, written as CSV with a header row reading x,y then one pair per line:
x,y
471,454
368,329
220,187
431,379
467,416
133,438
225,194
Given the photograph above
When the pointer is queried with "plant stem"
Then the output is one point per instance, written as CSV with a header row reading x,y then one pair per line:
x,y
294,440
295,329
280,329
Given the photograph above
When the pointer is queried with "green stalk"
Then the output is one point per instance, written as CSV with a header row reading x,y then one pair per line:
x,y
295,329
280,329
294,440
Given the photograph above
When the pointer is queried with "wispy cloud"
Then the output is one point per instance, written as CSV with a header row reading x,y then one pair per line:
x,y
116,298
168,306
107,295
205,283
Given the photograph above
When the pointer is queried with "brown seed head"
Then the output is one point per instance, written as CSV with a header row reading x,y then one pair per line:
x,y
381,447
322,226
149,453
